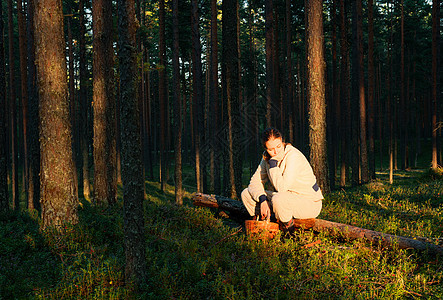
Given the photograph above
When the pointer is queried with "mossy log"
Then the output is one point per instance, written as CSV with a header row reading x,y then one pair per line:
x,y
332,228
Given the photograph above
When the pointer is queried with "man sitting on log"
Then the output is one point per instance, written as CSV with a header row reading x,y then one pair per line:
x,y
293,192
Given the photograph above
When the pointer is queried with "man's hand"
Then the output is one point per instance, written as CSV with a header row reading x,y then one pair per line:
x,y
265,211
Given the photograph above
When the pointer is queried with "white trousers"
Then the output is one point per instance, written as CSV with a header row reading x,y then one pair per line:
x,y
285,205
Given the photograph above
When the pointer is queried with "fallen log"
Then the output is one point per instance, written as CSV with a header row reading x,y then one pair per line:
x,y
221,202
332,228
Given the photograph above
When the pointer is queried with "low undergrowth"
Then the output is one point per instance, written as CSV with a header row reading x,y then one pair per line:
x,y
202,254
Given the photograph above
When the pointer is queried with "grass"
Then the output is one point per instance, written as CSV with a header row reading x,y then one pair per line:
x,y
200,253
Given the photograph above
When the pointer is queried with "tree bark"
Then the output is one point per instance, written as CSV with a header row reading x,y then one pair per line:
x,y
24,92
334,109
231,61
72,106
390,107
402,109
316,93
371,90
269,31
289,75
277,107
162,92
197,92
213,95
13,113
355,99
177,106
59,199
435,76
320,225
132,170
84,104
33,136
105,179
345,134
361,94
4,195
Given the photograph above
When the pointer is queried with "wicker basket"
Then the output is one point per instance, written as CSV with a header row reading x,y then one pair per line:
x,y
261,229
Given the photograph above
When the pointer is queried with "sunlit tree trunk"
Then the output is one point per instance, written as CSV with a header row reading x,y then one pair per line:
x,y
4,195
435,76
177,106
13,112
316,93
33,136
105,180
59,199
132,170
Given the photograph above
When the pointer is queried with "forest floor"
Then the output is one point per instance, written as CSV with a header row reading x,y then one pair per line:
x,y
200,253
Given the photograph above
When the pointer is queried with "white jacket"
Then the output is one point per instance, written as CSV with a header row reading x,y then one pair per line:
x,y
293,173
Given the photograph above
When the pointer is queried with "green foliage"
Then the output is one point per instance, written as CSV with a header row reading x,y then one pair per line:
x,y
197,253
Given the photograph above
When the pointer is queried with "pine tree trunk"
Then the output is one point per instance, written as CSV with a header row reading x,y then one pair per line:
x,y
197,91
58,198
361,96
84,105
390,107
162,92
371,89
435,76
402,110
316,93
13,113
105,180
177,106
132,171
355,100
230,60
269,31
289,76
335,112
213,95
72,106
4,195
24,93
33,134
277,108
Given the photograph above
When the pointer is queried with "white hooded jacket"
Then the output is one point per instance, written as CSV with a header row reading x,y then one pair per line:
x,y
293,173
